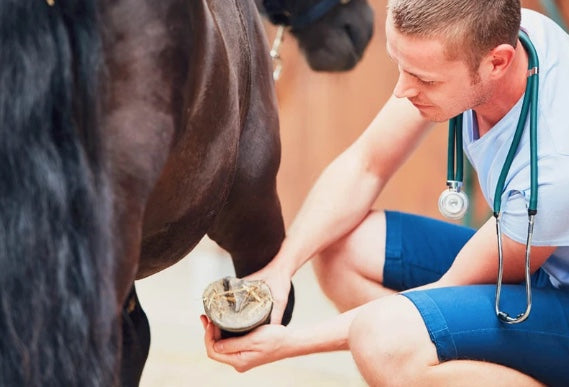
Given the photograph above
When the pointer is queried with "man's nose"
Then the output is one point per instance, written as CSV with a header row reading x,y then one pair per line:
x,y
405,87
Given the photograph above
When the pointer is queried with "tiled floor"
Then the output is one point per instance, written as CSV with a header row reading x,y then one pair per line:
x,y
172,301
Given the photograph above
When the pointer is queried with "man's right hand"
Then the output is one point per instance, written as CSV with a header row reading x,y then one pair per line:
x,y
280,285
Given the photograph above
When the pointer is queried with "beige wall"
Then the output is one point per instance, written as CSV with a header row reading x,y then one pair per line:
x,y
321,114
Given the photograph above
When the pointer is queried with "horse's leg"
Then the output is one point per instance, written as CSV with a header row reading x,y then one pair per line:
x,y
135,326
135,340
137,136
128,208
130,195
250,225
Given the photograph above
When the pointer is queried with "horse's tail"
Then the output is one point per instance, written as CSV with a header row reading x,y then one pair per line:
x,y
58,314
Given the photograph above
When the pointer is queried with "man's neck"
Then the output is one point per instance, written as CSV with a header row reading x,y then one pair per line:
x,y
504,95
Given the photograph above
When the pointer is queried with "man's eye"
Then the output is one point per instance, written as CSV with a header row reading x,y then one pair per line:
x,y
428,83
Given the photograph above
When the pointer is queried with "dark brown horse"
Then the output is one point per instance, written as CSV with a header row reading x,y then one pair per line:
x,y
130,129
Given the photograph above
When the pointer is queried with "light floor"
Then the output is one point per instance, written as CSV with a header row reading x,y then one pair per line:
x,y
172,301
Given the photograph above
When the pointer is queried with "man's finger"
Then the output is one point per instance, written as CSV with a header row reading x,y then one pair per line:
x,y
277,313
213,344
234,359
209,339
233,345
204,320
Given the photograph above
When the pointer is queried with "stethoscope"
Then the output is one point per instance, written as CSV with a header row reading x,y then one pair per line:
x,y
453,202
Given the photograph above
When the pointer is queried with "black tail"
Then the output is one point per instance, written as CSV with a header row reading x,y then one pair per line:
x,y
58,323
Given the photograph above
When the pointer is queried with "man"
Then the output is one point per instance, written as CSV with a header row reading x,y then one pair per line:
x,y
453,56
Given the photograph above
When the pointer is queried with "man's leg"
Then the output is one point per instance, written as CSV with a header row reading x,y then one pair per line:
x,y
392,346
387,252
350,272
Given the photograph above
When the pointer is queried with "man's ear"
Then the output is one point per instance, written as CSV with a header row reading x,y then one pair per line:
x,y
497,61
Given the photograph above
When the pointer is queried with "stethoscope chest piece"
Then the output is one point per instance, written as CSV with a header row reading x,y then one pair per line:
x,y
453,203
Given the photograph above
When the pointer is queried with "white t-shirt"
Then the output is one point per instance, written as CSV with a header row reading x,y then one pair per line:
x,y
487,154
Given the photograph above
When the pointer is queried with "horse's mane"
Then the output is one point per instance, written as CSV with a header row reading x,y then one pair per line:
x,y
58,324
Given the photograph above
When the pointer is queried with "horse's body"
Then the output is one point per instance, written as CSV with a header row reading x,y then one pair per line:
x,y
199,104
130,130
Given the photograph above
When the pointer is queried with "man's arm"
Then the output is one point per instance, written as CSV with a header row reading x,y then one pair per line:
x,y
348,187
270,343
345,192
477,262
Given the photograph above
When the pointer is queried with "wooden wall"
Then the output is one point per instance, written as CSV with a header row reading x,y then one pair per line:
x,y
321,114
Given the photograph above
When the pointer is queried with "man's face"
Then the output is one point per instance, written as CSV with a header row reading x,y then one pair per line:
x,y
439,88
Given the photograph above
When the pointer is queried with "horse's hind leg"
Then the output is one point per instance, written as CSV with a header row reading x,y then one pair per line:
x,y
136,340
250,226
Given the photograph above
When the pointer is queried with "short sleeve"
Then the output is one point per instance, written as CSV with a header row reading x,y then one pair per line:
x,y
551,227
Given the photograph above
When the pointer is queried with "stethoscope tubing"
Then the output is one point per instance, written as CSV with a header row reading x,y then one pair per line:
x,y
454,180
530,100
455,141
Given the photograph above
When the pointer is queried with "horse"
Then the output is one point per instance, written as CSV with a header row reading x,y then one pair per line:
x,y
332,34
129,131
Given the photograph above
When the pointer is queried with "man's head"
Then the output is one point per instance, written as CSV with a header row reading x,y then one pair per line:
x,y
444,44
470,28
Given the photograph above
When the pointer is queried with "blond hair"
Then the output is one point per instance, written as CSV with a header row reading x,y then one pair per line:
x,y
470,28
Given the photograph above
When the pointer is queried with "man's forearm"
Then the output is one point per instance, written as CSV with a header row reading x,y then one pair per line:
x,y
340,199
326,336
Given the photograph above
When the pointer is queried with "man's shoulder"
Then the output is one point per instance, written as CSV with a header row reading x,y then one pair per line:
x,y
540,26
531,17
552,45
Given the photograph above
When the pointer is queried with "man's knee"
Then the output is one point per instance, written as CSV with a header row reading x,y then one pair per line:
x,y
376,331
390,342
329,267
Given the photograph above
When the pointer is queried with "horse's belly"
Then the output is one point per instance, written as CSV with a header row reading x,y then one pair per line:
x,y
184,203
166,247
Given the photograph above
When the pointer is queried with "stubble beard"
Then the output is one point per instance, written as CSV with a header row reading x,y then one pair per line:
x,y
480,95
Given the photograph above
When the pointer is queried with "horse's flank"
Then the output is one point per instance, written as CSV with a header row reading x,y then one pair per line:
x,y
198,87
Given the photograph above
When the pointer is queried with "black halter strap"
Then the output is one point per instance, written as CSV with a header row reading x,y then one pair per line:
x,y
280,15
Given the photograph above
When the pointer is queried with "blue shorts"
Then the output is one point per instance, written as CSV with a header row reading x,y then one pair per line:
x,y
461,320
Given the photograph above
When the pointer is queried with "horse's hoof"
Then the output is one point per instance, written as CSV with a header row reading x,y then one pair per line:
x,y
237,306
287,315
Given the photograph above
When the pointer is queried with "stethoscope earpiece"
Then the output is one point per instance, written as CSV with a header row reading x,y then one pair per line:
x,y
453,204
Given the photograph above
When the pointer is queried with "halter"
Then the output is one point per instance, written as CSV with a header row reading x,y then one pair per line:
x,y
280,14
